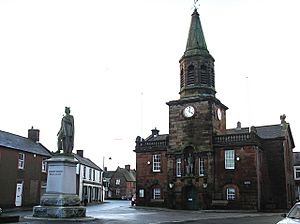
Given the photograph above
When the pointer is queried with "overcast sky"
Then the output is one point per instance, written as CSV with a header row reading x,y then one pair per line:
x,y
115,63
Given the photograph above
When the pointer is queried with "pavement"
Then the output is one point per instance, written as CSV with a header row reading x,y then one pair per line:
x,y
122,212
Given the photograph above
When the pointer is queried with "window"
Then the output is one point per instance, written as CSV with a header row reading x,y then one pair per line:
x,y
156,163
117,192
141,193
181,79
156,193
230,194
94,175
191,75
178,167
44,165
90,173
118,181
229,159
297,172
204,75
201,167
84,172
21,160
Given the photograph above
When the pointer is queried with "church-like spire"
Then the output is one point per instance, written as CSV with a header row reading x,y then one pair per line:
x,y
197,76
196,44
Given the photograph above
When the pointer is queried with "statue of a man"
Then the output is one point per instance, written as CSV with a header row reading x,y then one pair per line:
x,y
66,133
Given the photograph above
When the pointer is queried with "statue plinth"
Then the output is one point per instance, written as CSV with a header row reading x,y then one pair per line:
x,y
60,199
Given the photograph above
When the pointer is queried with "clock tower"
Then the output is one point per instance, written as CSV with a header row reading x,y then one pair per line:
x,y
193,121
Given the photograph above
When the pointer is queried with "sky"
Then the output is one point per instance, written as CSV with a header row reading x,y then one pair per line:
x,y
116,64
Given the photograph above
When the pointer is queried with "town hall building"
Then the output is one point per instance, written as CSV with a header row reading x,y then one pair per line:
x,y
201,164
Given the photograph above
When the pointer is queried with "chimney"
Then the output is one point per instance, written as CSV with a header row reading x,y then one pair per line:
x,y
105,169
34,134
239,125
127,167
80,153
155,132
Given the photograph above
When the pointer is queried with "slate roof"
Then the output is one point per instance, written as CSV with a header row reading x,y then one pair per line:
x,y
265,132
163,137
87,162
108,174
129,175
271,131
16,142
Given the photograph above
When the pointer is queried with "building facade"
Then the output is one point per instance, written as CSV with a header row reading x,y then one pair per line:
x,y
23,169
297,174
201,164
122,183
89,179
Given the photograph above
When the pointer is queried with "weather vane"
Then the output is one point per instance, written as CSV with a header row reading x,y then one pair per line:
x,y
195,4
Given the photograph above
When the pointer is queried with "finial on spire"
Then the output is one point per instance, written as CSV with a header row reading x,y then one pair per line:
x,y
195,4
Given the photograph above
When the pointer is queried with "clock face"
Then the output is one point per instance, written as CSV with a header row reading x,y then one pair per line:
x,y
189,111
219,114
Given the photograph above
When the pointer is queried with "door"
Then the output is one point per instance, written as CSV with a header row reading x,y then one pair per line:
x,y
19,193
192,199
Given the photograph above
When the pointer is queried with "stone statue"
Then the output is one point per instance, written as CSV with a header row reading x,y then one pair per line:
x,y
189,164
65,134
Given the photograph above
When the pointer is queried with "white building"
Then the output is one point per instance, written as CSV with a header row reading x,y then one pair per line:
x,y
89,179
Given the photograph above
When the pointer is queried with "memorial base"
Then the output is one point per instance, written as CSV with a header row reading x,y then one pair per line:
x,y
60,200
59,212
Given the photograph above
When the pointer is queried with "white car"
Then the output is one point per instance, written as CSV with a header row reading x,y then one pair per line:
x,y
293,216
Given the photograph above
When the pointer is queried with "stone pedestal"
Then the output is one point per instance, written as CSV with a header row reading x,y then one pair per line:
x,y
60,199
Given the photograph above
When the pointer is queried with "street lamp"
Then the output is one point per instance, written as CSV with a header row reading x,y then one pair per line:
x,y
104,188
104,160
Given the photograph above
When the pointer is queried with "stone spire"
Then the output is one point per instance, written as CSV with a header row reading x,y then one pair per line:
x,y
197,75
196,44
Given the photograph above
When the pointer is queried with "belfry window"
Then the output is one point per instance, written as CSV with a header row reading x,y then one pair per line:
x,y
181,78
204,75
191,75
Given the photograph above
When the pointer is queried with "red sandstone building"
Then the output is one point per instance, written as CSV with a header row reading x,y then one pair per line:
x,y
23,170
122,183
201,164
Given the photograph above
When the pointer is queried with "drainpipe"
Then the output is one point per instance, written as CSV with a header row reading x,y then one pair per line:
x,y
258,178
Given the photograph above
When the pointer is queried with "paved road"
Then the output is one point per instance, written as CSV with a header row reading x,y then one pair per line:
x,y
113,212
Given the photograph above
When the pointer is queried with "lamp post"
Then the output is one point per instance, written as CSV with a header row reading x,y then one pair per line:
x,y
104,188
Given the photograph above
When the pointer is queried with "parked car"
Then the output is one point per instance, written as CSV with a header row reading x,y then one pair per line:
x,y
293,216
0,211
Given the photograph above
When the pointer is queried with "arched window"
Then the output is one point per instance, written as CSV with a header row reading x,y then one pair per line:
x,y
191,75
